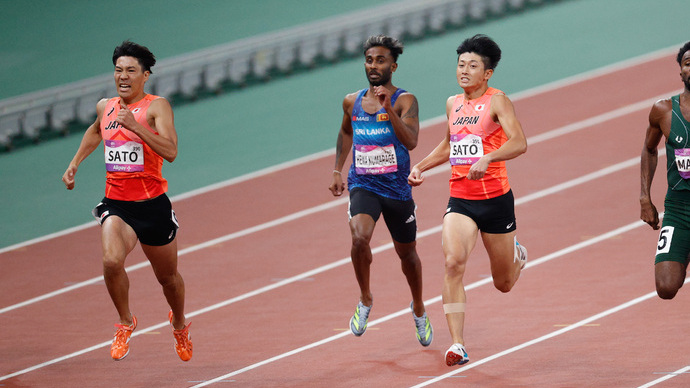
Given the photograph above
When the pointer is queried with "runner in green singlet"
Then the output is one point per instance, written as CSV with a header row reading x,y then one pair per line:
x,y
668,118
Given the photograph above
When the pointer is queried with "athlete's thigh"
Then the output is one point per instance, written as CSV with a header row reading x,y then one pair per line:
x,y
118,239
362,226
673,243
670,272
459,237
364,210
401,219
501,250
163,258
673,246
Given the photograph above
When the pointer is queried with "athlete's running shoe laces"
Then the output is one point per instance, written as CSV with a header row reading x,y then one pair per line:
x,y
183,340
456,355
520,254
120,346
425,333
359,321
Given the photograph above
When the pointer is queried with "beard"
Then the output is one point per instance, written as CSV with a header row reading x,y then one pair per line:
x,y
383,79
686,82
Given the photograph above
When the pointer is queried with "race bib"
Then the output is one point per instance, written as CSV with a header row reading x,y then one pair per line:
x,y
373,160
124,156
683,162
665,239
465,148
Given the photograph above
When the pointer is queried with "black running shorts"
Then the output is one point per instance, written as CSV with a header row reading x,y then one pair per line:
x,y
493,215
400,216
153,221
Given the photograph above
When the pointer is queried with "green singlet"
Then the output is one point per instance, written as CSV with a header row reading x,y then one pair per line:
x,y
678,143
674,236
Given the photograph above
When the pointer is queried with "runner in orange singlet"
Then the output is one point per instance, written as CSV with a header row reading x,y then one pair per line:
x,y
138,132
483,132
131,175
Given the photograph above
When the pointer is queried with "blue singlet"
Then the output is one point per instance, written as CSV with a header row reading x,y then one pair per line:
x,y
380,162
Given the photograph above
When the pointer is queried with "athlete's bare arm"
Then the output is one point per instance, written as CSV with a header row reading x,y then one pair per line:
x,y
503,113
404,116
343,145
659,126
161,119
438,156
89,142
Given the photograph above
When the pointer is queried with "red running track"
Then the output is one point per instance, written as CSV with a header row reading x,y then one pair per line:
x,y
270,288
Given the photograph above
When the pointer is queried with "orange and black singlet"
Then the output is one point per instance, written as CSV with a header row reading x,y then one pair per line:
x,y
472,135
133,169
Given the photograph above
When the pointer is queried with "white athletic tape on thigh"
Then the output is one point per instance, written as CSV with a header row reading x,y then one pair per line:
x,y
450,308
515,250
517,253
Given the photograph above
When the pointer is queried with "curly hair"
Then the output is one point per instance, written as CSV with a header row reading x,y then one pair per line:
x,y
392,44
682,52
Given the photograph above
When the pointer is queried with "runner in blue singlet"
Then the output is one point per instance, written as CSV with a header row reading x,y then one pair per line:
x,y
380,125
380,160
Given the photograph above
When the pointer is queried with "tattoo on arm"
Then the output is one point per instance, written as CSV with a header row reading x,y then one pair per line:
x,y
413,112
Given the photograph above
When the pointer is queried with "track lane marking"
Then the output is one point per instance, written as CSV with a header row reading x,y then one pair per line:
x,y
668,376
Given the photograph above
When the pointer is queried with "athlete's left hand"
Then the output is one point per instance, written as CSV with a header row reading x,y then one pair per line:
x,y
478,169
415,178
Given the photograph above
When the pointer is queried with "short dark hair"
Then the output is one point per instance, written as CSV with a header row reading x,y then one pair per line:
x,y
682,52
142,54
392,44
483,46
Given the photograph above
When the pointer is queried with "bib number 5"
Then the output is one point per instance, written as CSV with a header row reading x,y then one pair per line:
x,y
665,237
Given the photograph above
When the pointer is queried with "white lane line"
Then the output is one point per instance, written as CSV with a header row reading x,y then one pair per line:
x,y
668,376
595,120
